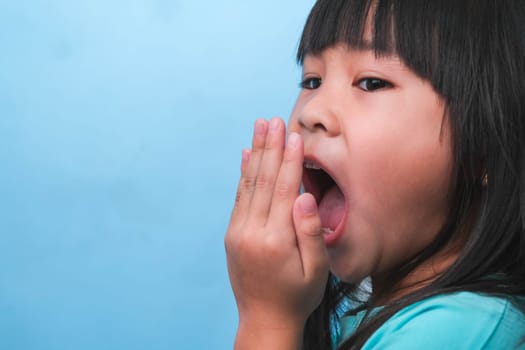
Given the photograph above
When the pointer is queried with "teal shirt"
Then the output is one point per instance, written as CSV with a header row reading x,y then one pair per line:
x,y
461,320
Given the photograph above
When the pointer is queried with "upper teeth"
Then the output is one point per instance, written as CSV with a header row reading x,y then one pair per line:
x,y
310,165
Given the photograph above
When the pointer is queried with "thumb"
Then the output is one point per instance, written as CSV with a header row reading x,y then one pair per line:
x,y
310,239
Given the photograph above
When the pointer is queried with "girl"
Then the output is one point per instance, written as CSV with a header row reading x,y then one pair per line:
x,y
407,138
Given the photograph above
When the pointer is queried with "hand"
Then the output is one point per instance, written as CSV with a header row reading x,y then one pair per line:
x,y
277,259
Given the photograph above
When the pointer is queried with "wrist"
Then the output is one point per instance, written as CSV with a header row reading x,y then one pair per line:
x,y
257,334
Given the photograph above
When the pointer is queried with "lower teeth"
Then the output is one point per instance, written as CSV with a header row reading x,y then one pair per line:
x,y
326,230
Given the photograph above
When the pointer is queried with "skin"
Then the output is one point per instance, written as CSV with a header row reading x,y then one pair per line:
x,y
380,131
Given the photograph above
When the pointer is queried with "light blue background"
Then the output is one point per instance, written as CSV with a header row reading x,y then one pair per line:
x,y
121,129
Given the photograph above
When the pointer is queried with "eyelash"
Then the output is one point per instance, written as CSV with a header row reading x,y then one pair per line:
x,y
307,84
374,81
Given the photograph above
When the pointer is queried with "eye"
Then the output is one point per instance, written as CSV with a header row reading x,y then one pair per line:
x,y
310,83
373,84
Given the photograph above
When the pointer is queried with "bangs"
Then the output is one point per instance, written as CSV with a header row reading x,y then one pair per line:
x,y
349,22
410,29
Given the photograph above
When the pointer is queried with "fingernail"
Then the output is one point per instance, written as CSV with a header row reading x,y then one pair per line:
x,y
260,127
308,205
293,140
245,155
274,125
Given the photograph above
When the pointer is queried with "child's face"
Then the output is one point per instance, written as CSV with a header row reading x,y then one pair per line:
x,y
381,133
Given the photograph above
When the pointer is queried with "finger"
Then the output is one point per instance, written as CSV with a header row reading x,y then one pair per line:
x,y
250,167
310,241
268,169
244,164
246,153
288,182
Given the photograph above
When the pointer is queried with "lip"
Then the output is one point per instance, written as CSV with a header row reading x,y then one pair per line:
x,y
331,239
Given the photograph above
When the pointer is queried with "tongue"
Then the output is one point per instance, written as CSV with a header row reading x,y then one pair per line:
x,y
332,208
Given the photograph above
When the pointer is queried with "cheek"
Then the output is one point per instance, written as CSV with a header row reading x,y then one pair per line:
x,y
399,207
401,179
293,121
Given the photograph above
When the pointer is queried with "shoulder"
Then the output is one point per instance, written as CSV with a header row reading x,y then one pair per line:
x,y
461,320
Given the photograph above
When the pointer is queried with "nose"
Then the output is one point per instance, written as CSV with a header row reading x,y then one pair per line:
x,y
315,112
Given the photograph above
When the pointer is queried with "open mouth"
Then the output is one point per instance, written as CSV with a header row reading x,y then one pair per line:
x,y
330,199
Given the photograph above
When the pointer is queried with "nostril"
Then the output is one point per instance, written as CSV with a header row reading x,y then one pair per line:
x,y
320,126
313,126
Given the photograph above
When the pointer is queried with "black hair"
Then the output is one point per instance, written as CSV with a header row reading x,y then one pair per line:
x,y
473,54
